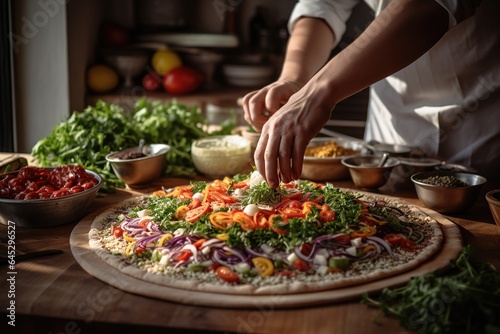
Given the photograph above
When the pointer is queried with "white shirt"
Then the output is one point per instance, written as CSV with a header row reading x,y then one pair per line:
x,y
447,102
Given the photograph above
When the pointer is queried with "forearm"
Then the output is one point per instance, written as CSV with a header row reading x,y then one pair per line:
x,y
404,31
308,49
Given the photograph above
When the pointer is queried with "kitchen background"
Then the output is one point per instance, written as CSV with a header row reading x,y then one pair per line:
x,y
49,45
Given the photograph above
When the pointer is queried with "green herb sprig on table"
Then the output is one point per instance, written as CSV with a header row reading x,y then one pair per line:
x,y
462,299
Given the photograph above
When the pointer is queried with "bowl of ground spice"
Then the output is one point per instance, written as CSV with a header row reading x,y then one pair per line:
x,y
448,192
323,156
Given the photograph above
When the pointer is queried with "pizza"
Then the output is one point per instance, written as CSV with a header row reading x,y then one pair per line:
x,y
239,236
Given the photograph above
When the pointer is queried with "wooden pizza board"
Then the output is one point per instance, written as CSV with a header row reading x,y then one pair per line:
x,y
95,266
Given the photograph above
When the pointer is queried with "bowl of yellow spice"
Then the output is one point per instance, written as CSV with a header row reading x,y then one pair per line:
x,y
323,156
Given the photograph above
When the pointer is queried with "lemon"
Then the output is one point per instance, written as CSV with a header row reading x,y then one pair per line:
x,y
102,78
165,60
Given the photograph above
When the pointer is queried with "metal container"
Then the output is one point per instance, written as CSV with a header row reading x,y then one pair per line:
x,y
448,199
50,211
366,173
493,198
329,168
141,171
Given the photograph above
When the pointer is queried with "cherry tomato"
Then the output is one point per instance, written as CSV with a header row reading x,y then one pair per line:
x,y
275,223
88,185
199,242
408,245
221,220
264,266
184,256
246,222
227,274
140,250
194,214
326,216
261,218
306,249
182,80
393,238
60,193
76,189
301,265
31,195
195,202
151,81
117,231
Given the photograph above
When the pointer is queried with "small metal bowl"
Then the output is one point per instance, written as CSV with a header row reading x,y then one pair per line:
x,y
493,198
329,168
448,199
140,171
220,156
50,211
365,172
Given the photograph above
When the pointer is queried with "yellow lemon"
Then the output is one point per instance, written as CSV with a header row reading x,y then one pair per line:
x,y
165,60
102,78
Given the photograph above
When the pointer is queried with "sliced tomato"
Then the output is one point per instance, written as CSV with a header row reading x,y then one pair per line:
x,y
326,216
301,265
184,256
264,266
240,185
117,231
289,203
194,214
227,274
195,202
246,222
275,222
220,197
140,250
261,217
393,238
199,242
306,207
221,220
408,245
343,239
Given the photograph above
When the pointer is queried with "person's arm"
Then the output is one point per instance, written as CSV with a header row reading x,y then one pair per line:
x,y
404,31
308,49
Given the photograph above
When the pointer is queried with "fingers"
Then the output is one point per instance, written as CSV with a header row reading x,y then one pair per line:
x,y
254,109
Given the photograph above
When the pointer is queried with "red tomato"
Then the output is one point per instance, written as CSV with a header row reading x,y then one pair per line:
x,y
31,195
408,245
194,214
199,242
326,216
246,222
227,274
393,239
182,80
151,81
275,226
301,265
117,231
184,255
261,217
195,202
139,251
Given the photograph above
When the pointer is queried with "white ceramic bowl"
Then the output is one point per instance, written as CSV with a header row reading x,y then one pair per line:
x,y
220,156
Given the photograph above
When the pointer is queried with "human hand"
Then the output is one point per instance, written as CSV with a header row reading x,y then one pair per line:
x,y
280,151
259,105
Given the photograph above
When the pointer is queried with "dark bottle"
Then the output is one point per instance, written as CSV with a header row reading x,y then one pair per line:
x,y
259,31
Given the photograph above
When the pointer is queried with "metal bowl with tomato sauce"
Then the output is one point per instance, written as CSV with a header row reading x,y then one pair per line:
x,y
41,197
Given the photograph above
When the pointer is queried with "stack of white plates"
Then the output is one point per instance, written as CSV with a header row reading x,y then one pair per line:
x,y
248,75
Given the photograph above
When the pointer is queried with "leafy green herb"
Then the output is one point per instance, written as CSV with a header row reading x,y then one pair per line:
x,y
261,194
86,137
463,299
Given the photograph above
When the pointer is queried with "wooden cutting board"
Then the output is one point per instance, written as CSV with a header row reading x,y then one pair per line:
x,y
95,266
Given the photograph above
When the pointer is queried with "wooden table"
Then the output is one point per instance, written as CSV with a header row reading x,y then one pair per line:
x,y
54,294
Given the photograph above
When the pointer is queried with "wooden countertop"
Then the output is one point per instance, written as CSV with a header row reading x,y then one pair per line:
x,y
54,294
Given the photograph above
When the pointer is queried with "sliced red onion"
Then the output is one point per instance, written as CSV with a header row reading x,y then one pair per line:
x,y
384,244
